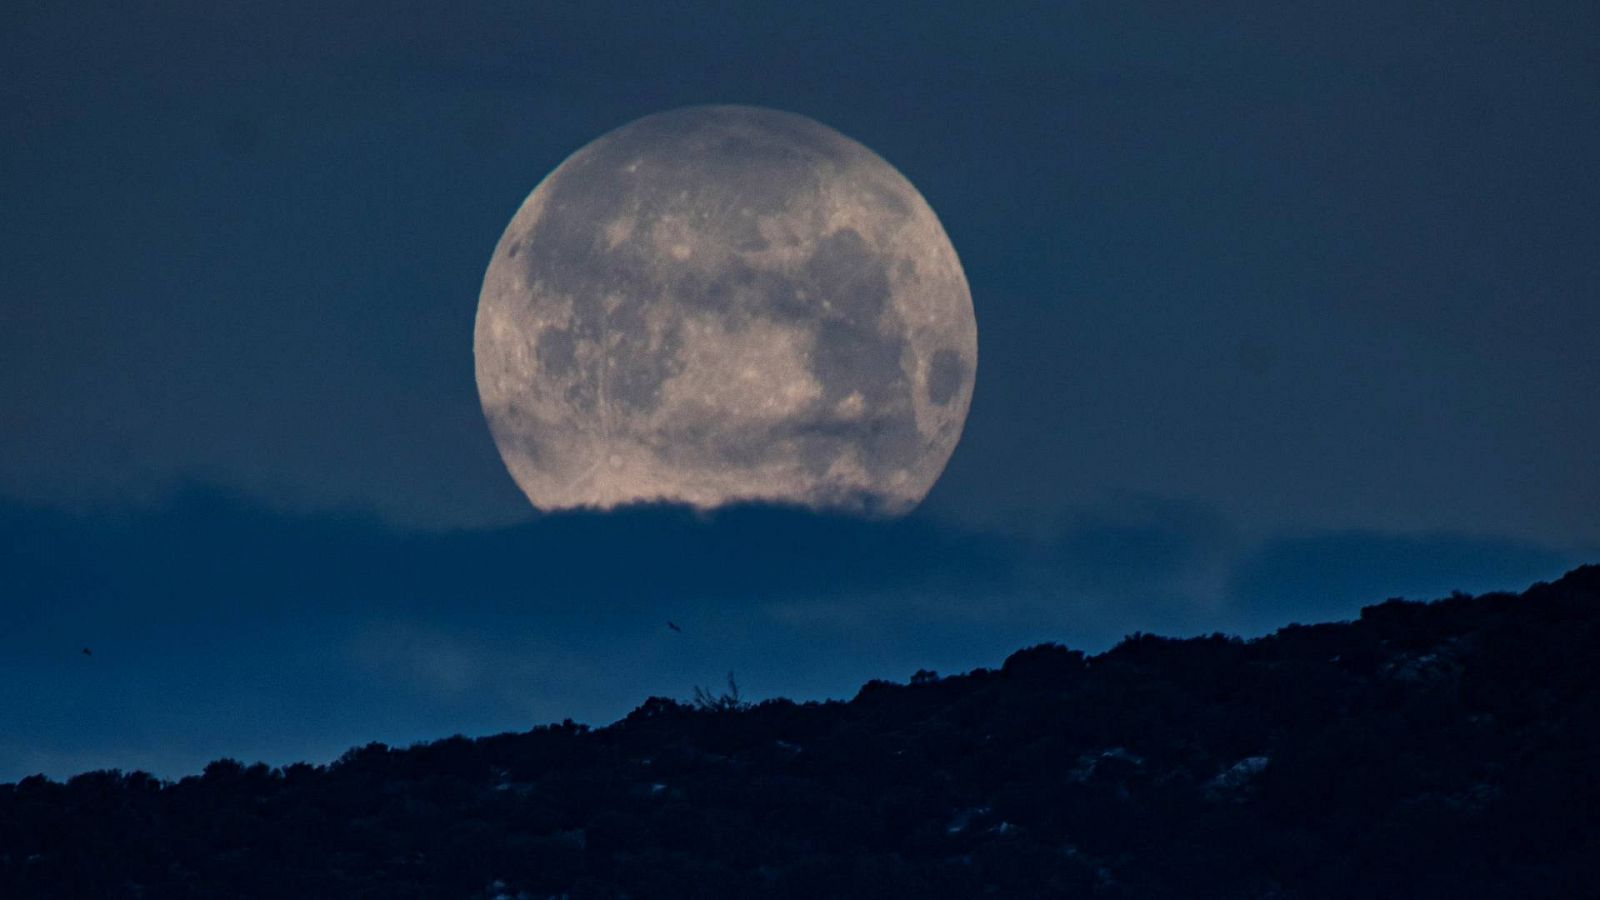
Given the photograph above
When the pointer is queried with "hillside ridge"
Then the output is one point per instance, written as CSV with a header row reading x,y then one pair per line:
x,y
1441,749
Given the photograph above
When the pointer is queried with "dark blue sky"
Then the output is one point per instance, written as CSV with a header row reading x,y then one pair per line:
x,y
1282,308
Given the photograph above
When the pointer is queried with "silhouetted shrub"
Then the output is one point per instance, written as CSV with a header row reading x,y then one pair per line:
x,y
726,701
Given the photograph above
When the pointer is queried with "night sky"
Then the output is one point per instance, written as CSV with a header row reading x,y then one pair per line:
x,y
1282,309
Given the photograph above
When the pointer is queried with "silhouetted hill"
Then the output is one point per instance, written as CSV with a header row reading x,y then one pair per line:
x,y
1447,749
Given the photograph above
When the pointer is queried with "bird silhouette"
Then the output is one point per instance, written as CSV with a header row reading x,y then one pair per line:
x,y
87,652
674,627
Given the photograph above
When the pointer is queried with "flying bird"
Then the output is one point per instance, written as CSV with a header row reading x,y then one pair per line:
x,y
674,627
87,652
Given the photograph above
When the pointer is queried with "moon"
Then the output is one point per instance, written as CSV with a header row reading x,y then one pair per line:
x,y
725,304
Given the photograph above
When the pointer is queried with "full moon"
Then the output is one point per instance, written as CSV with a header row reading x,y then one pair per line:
x,y
725,304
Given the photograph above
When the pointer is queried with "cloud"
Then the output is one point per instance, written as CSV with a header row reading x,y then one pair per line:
x,y
223,628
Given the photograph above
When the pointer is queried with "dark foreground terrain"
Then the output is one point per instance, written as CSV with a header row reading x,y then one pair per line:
x,y
1447,749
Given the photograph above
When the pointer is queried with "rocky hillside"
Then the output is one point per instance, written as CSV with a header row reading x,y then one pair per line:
x,y
1445,749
